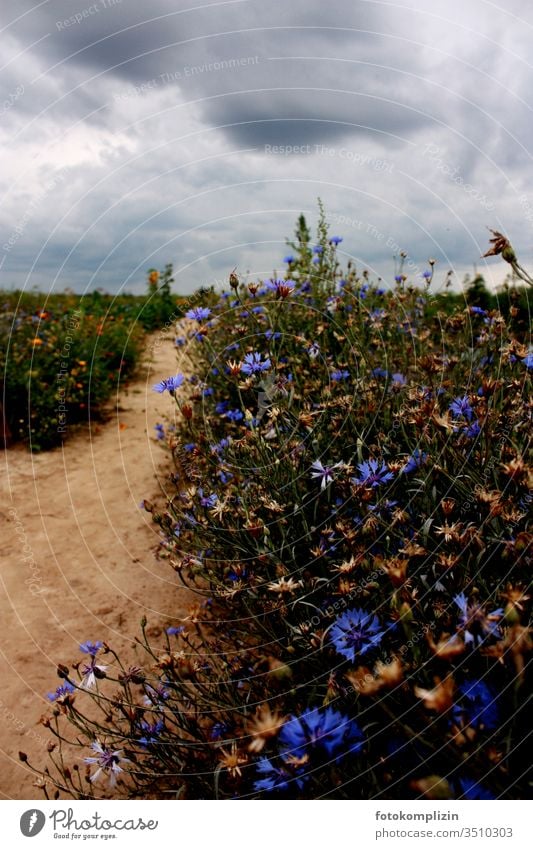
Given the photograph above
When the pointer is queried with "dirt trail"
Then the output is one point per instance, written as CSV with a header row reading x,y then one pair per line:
x,y
77,558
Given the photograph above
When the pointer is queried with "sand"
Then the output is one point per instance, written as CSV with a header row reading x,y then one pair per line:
x,y
77,557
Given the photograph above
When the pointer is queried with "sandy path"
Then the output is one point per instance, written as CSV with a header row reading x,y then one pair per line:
x,y
90,571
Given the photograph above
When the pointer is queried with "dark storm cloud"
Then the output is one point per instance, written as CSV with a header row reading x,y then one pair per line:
x,y
265,73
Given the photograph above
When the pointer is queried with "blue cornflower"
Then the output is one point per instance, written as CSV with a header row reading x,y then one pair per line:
x,y
199,314
340,374
398,379
427,274
62,692
151,732
380,372
253,364
156,695
207,500
477,311
318,249
175,630
159,431
272,334
289,259
528,361
476,623
355,632
324,473
169,384
277,778
473,430
473,790
313,350
325,732
335,240
461,407
179,341
371,473
221,407
381,291
234,415
91,648
415,461
477,706
189,446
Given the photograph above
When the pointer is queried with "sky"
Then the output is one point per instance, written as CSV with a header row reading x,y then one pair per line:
x,y
137,134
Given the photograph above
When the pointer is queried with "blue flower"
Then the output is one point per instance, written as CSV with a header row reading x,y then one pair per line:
x,y
324,473
175,630
341,374
476,623
320,732
289,259
64,690
528,361
427,275
91,648
221,407
380,372
151,732
169,384
460,407
415,461
473,790
335,240
179,341
253,364
477,706
399,379
208,501
355,632
473,430
234,415
159,431
371,473
477,311
318,249
277,778
198,314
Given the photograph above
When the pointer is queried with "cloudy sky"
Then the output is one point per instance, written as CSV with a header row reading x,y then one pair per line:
x,y
139,133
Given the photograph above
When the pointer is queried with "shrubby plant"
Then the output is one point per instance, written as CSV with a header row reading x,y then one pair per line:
x,y
352,491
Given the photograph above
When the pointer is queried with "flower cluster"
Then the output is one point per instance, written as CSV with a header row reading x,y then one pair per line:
x,y
351,502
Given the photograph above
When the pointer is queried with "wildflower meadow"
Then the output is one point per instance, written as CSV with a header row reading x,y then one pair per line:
x,y
349,489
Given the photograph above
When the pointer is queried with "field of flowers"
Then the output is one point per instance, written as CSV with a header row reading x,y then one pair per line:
x,y
63,355
351,504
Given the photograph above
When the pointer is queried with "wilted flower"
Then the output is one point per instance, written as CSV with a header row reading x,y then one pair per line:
x,y
440,698
355,632
264,726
